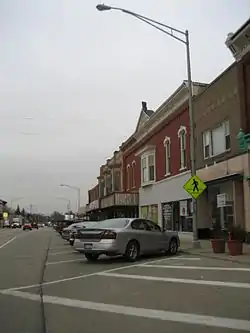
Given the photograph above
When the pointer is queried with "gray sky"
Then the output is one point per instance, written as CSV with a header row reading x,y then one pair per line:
x,y
72,81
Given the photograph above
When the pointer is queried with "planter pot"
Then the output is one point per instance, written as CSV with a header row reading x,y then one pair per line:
x,y
218,245
235,247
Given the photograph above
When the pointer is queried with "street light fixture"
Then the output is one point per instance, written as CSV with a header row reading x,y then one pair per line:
x,y
78,194
184,38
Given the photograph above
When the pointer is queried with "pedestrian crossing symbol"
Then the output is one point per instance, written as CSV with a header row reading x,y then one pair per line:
x,y
195,187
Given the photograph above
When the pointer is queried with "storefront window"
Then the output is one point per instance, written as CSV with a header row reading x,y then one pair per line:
x,y
177,215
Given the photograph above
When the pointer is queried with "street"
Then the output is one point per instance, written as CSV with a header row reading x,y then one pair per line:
x,y
185,293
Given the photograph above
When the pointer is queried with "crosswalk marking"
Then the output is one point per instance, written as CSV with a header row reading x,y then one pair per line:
x,y
187,318
204,268
176,280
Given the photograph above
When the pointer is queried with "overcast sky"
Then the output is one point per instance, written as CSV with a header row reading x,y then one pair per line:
x,y
72,81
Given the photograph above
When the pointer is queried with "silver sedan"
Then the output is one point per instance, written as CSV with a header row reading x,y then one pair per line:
x,y
130,237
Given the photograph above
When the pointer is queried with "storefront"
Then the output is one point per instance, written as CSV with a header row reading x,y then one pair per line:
x,y
93,211
167,203
222,204
177,215
150,212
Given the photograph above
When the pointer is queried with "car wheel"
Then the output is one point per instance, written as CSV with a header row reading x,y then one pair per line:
x,y
91,256
173,247
132,251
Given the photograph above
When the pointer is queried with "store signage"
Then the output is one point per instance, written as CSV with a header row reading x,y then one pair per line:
x,y
221,200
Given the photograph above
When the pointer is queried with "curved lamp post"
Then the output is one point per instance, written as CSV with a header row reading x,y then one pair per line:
x,y
183,37
78,190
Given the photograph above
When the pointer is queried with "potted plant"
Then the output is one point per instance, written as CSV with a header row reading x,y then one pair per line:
x,y
236,238
218,241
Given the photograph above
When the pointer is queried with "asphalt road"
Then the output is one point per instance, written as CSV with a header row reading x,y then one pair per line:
x,y
162,294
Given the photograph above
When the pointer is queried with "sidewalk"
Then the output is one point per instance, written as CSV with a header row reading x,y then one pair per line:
x,y
206,250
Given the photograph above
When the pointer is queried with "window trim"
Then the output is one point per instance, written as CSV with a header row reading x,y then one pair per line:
x,y
167,145
128,177
182,130
226,125
146,156
133,183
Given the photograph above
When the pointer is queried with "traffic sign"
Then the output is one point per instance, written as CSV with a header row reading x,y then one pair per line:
x,y
195,186
5,215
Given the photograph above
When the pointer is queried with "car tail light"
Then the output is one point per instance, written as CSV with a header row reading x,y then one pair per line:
x,y
109,234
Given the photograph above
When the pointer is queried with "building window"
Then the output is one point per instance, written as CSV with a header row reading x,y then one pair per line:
x,y
148,167
217,140
167,145
128,177
133,174
182,134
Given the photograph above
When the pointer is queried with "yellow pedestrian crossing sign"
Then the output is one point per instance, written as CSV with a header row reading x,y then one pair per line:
x,y
195,187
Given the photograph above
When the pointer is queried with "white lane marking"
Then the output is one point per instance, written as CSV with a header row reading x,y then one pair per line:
x,y
184,258
187,318
63,261
82,276
62,252
8,242
205,268
176,280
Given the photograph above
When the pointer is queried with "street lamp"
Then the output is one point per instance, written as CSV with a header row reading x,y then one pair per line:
x,y
184,38
65,199
78,194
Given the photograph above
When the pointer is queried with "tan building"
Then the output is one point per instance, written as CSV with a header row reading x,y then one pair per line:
x,y
220,112
114,201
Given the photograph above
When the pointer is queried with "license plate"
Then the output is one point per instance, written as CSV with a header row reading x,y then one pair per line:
x,y
88,246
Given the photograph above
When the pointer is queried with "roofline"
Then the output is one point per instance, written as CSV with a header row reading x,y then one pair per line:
x,y
166,102
216,79
240,29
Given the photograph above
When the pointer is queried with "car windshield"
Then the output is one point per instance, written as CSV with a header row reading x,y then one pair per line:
x,y
113,223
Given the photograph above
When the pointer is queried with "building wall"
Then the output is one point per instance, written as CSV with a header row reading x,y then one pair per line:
x,y
167,190
128,159
219,101
93,193
169,129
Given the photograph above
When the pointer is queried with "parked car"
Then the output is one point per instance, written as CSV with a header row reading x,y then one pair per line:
x,y
66,232
27,226
79,226
130,237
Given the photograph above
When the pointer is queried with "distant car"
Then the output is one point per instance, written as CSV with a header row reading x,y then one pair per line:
x,y
16,225
27,226
130,237
34,225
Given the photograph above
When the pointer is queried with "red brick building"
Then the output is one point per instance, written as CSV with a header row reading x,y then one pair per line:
x,y
156,160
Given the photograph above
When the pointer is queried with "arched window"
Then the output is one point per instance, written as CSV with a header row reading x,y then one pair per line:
x,y
167,145
133,173
182,134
